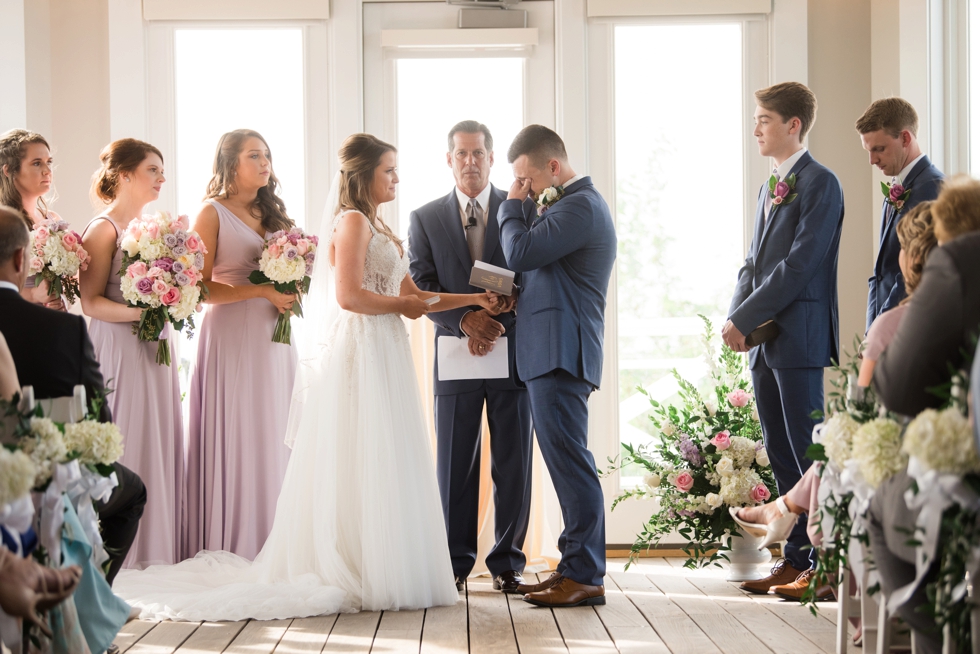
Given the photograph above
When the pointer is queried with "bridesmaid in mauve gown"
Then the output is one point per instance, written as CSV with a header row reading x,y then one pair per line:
x,y
145,402
242,382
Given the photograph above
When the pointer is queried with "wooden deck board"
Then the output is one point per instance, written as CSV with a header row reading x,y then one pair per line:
x,y
164,638
445,630
259,637
353,632
131,632
211,637
491,628
535,627
306,635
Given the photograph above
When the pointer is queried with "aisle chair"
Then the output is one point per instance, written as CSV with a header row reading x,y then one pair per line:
x,y
71,408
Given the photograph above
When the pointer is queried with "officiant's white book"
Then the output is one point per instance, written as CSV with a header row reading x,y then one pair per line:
x,y
456,362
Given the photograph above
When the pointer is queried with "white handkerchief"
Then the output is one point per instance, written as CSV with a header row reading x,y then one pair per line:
x,y
456,362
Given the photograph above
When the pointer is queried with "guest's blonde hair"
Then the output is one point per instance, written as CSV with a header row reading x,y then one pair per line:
x,y
917,238
957,209
360,156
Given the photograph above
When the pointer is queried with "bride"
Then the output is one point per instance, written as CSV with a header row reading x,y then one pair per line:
x,y
359,523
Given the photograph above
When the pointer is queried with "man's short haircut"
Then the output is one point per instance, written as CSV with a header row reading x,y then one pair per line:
x,y
539,143
790,100
471,127
13,233
957,209
890,114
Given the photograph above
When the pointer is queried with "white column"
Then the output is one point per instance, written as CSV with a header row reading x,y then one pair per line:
x,y
13,72
127,72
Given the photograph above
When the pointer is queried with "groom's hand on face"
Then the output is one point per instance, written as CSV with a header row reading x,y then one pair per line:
x,y
479,324
733,338
519,190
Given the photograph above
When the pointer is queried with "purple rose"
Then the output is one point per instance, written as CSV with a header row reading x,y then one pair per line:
x,y
291,253
170,241
293,239
165,264
896,191
310,256
309,269
182,279
177,267
179,250
145,286
782,189
198,260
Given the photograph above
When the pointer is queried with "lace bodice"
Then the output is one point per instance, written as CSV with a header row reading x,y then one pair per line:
x,y
384,267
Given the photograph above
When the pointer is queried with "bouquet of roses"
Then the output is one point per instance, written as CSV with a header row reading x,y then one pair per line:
x,y
709,457
56,254
161,274
287,263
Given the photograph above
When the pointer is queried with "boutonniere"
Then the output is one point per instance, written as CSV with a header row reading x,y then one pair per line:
x,y
896,194
782,192
548,197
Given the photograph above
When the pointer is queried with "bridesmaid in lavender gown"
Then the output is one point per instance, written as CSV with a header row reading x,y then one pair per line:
x,y
145,402
26,176
242,383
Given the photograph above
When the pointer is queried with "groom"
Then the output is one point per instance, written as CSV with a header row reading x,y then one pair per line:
x,y
566,255
790,278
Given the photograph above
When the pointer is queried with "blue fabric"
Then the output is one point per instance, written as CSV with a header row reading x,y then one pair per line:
x,y
790,274
19,544
566,256
100,613
560,411
886,287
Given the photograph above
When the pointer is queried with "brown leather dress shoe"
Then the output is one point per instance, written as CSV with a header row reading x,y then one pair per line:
x,y
795,590
781,573
566,593
534,588
508,581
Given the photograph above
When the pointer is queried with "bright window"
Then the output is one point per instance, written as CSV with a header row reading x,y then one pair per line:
x,y
974,39
680,198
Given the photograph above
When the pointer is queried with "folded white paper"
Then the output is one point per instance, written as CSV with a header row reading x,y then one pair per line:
x,y
456,362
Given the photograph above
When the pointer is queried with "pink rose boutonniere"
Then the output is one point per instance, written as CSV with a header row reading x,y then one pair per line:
x,y
782,191
896,194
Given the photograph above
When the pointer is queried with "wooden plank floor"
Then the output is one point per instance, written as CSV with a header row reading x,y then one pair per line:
x,y
657,607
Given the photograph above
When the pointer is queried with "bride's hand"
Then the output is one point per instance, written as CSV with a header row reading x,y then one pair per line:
x,y
491,303
283,302
412,307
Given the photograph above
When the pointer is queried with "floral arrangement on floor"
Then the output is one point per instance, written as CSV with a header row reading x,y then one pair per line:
x,y
56,255
709,457
161,274
287,263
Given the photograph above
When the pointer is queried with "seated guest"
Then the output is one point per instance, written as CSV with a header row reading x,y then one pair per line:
x,y
28,588
8,372
52,352
939,327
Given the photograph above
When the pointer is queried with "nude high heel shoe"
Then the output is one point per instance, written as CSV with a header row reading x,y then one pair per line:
x,y
774,532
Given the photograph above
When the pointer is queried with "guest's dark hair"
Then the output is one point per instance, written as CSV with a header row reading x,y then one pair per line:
x,y
267,207
13,233
471,127
13,149
917,238
539,143
118,158
360,156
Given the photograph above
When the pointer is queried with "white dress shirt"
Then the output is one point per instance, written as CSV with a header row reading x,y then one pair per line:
x,y
905,171
483,199
11,286
572,181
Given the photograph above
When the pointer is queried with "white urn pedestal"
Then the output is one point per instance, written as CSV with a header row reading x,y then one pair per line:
x,y
746,558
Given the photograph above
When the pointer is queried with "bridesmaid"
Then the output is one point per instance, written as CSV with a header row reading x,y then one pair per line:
x,y
145,402
242,382
26,176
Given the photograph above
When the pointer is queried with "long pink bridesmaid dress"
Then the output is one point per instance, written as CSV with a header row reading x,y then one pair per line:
x,y
240,392
145,404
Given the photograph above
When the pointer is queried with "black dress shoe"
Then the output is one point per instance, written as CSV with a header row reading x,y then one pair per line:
x,y
508,581
460,583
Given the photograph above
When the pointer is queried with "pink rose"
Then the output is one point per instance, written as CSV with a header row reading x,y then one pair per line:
x,y
274,250
781,190
777,200
192,243
153,230
160,287
41,235
760,493
171,297
69,240
135,231
896,191
302,246
684,481
83,258
739,398
199,308
154,272
899,204
37,264
136,269
183,221
722,440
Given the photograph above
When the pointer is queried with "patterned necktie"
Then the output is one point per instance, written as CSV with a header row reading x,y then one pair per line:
x,y
475,230
768,203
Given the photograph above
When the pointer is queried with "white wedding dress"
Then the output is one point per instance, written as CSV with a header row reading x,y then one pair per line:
x,y
359,524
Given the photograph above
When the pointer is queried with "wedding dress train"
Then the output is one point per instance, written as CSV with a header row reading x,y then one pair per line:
x,y
358,524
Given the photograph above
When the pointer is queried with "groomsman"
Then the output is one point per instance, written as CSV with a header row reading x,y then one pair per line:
x,y
790,278
887,130
566,254
445,238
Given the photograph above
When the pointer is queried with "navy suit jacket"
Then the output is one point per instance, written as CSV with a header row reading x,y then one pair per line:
x,y
886,288
440,263
566,256
790,275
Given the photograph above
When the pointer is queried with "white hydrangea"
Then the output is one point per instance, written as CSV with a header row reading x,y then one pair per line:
x,y
17,474
742,451
151,249
736,488
60,261
46,447
189,299
837,436
877,447
942,441
282,270
96,442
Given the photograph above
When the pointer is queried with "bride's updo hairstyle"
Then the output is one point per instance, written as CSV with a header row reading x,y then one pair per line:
x,y
118,158
267,207
360,155
13,149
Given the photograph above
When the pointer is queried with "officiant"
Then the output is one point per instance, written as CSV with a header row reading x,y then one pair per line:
x,y
445,238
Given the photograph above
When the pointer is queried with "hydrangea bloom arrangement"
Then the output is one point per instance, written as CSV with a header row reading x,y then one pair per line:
x,y
709,456
287,263
161,274
17,475
57,255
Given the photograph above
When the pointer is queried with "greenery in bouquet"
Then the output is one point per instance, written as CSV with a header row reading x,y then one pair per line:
x,y
709,456
287,263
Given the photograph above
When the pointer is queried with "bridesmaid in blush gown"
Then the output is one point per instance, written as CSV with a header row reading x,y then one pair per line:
x,y
242,382
145,401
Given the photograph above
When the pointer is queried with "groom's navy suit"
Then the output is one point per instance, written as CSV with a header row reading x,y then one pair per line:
x,y
441,263
886,287
566,257
790,276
